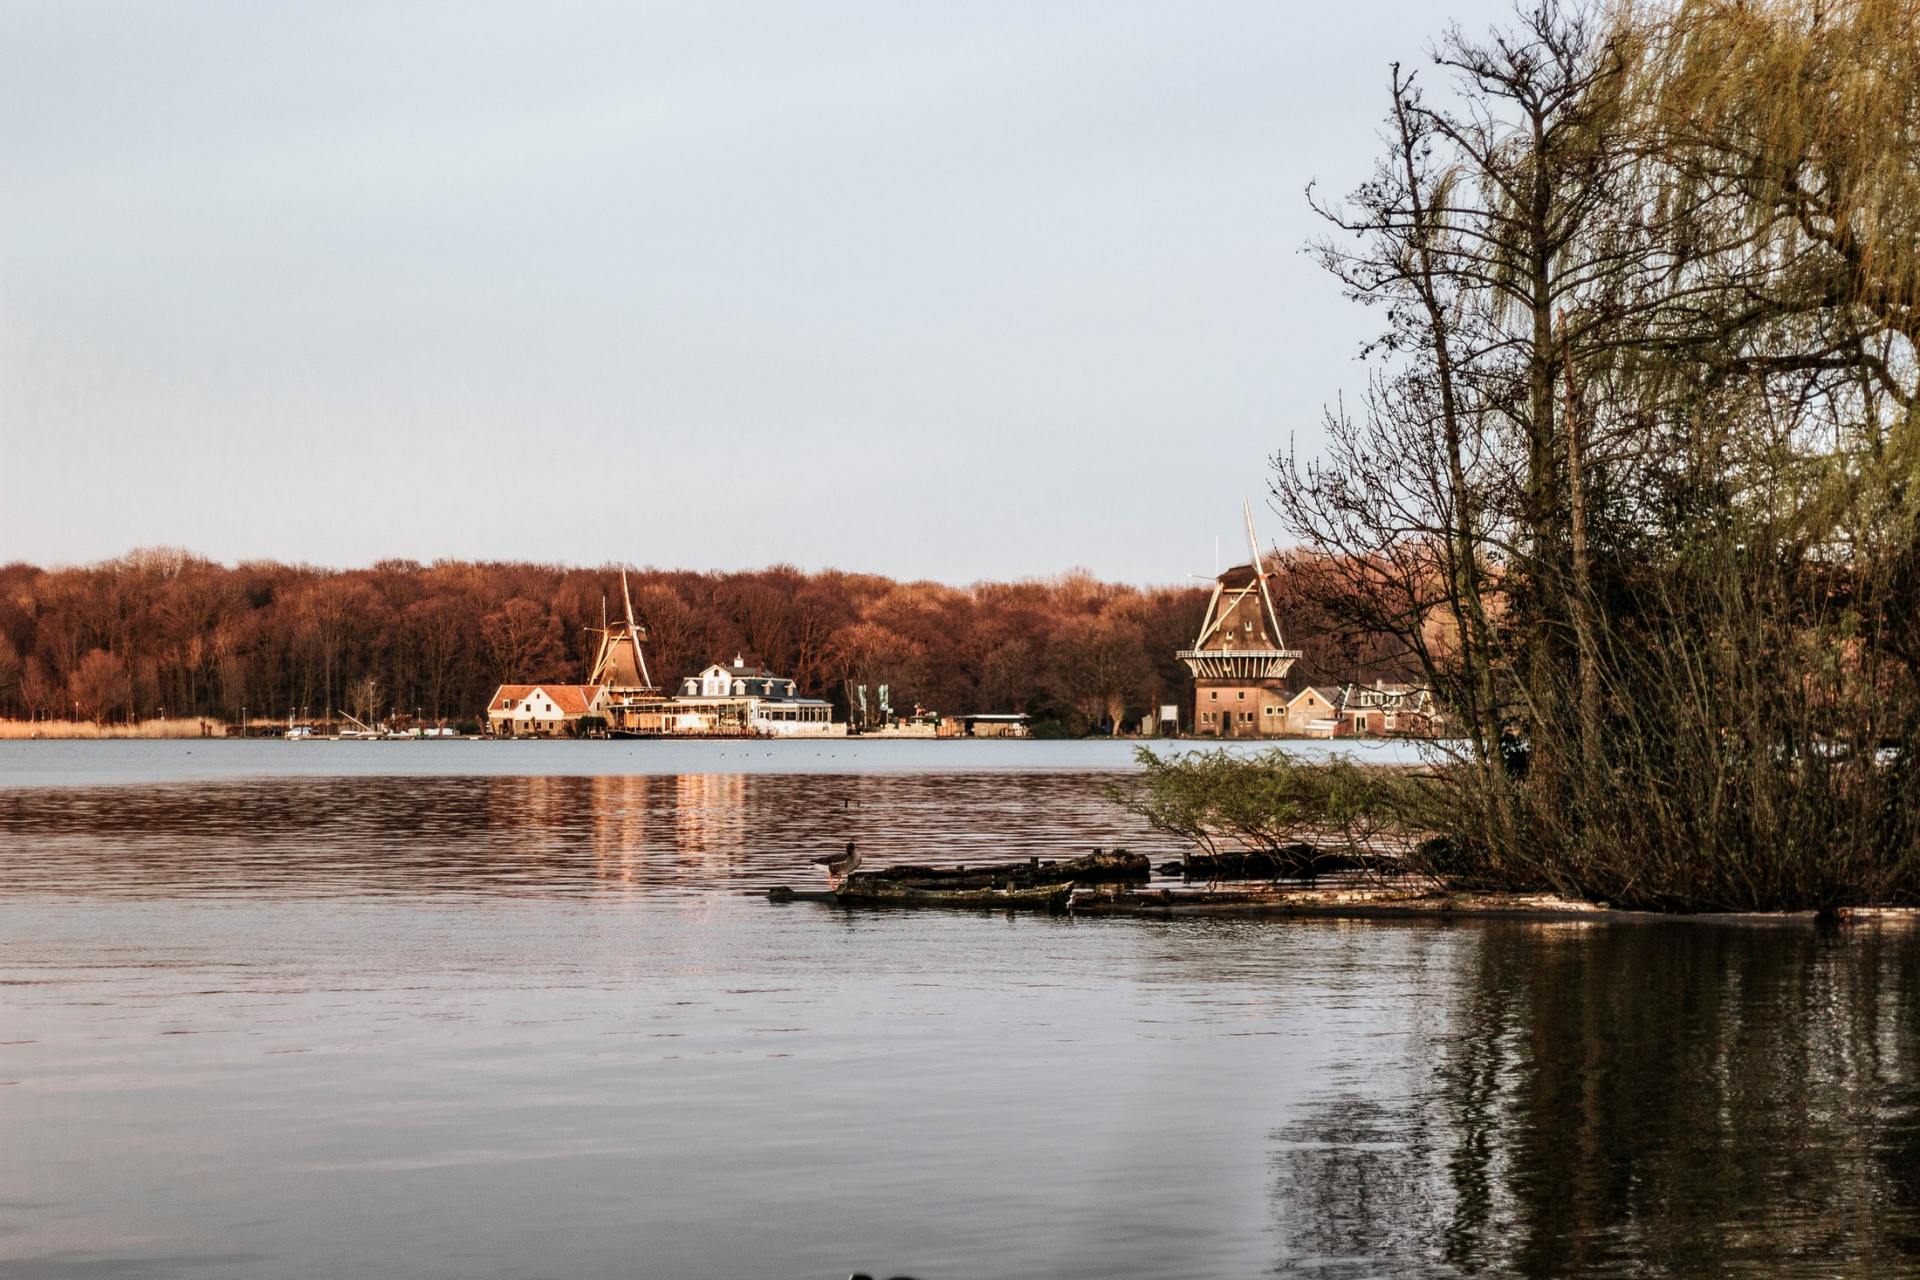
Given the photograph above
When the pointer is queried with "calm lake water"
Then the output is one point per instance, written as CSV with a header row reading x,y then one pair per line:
x,y
509,1010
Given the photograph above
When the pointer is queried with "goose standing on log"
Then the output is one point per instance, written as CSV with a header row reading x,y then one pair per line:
x,y
839,865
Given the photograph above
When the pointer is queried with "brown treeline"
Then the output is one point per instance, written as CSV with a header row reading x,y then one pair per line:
x,y
166,633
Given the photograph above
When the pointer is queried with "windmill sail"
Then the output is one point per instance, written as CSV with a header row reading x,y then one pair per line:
x,y
1260,576
635,634
621,662
1240,642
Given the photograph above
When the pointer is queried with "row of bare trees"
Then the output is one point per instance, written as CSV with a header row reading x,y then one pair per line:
x,y
1637,479
162,632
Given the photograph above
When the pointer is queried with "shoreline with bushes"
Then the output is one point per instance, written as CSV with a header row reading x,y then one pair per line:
x,y
1402,834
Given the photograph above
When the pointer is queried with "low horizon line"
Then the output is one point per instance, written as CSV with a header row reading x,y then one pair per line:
x,y
132,556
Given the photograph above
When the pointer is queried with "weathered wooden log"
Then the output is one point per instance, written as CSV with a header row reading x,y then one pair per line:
x,y
867,890
1414,898
1116,867
781,893
1289,862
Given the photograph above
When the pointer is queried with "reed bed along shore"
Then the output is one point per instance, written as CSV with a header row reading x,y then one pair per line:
x,y
17,730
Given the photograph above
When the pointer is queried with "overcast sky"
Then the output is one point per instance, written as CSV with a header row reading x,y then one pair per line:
x,y
958,291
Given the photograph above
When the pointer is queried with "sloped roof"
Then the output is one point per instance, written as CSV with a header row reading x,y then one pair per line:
x,y
742,671
1383,695
568,699
573,699
618,661
1231,585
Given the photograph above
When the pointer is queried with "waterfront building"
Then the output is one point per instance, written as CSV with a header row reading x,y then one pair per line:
x,y
736,680
733,699
1313,712
1380,709
1384,709
757,699
1239,660
725,700
986,725
542,710
620,663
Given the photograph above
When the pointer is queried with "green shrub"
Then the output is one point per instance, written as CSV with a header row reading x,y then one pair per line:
x,y
1221,801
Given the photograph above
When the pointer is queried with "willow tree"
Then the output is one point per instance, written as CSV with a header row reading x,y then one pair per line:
x,y
1502,235
1641,436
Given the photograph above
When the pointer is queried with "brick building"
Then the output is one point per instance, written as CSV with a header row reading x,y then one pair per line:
x,y
1381,709
1239,660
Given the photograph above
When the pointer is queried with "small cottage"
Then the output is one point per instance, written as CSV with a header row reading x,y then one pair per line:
x,y
1312,712
542,710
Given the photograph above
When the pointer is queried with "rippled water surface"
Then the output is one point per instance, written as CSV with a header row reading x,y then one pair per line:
x,y
510,1010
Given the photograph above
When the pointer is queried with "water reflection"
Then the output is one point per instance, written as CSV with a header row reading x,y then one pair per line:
x,y
1689,1099
533,835
502,1026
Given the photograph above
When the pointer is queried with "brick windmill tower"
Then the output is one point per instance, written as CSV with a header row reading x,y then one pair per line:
x,y
1240,659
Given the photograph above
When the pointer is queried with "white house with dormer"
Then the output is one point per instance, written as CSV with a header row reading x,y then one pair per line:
x,y
757,699
736,680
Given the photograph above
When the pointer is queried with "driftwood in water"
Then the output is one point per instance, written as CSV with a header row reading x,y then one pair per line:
x,y
1117,867
871,891
1288,862
1400,897
1045,897
781,893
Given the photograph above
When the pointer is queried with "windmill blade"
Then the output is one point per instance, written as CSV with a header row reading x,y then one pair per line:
x,y
603,655
1210,620
1260,575
633,633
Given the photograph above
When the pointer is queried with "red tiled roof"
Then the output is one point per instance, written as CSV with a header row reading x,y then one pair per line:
x,y
508,694
573,699
568,699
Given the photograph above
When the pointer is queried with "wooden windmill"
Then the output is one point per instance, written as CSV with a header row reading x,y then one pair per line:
x,y
1240,658
621,663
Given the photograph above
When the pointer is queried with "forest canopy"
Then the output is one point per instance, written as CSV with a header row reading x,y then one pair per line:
x,y
166,632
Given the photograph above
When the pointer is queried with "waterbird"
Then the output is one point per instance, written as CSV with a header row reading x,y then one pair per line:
x,y
839,865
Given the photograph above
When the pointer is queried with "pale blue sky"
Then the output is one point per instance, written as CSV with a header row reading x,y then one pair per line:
x,y
955,291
